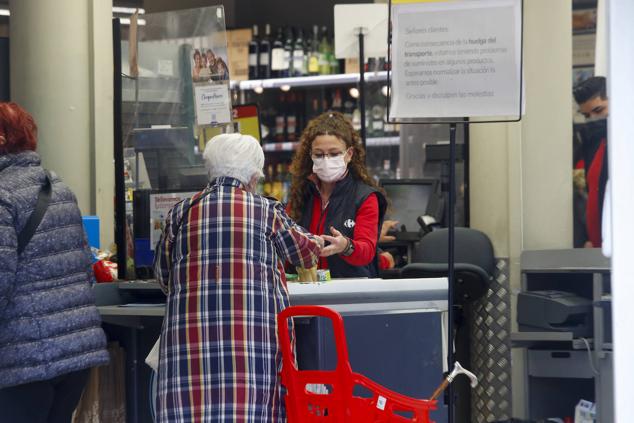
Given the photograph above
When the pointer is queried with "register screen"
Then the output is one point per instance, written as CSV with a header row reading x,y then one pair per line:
x,y
407,201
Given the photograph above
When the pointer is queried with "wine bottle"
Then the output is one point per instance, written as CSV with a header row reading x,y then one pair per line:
x,y
264,69
299,68
313,56
280,120
324,53
291,118
254,53
288,54
277,55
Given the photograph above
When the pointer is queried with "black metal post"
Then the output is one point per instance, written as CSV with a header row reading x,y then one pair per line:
x,y
119,183
451,226
362,85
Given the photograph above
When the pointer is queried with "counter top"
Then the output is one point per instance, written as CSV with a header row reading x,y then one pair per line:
x,y
347,296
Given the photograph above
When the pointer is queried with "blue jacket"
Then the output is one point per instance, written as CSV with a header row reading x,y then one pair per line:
x,y
49,324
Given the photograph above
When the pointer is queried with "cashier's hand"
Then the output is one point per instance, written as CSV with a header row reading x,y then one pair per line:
x,y
387,226
320,241
337,241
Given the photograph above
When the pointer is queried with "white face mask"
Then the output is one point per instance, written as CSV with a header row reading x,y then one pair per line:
x,y
330,169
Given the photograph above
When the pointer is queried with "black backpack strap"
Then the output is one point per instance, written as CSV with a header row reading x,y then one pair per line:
x,y
43,199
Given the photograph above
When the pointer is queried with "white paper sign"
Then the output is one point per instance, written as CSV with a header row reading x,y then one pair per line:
x,y
372,18
456,59
160,205
213,104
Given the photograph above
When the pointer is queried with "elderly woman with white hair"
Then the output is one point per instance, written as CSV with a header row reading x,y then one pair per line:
x,y
219,261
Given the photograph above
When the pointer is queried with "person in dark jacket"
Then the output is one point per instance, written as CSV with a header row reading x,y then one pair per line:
x,y
332,194
50,329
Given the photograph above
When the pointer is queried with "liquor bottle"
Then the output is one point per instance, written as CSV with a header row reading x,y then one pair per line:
x,y
337,103
268,181
299,65
291,118
348,106
386,172
356,119
300,110
254,53
264,70
377,120
313,56
288,54
277,55
277,187
388,127
324,52
334,62
280,120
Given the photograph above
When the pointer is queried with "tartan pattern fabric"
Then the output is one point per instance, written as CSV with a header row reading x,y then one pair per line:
x,y
219,261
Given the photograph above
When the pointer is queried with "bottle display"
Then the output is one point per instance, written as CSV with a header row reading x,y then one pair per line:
x,y
277,55
293,52
264,61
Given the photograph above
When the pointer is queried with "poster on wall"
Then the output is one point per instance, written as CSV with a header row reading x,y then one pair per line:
x,y
213,104
160,205
208,65
454,59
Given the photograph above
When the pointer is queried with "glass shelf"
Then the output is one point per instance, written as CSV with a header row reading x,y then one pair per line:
x,y
309,81
292,146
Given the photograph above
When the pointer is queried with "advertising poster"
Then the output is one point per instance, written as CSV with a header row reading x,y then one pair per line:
x,y
213,104
160,205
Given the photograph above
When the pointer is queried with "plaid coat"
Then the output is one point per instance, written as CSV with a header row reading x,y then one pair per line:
x,y
219,263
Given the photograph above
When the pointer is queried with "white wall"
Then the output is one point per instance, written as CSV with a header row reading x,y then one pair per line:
x,y
61,72
521,173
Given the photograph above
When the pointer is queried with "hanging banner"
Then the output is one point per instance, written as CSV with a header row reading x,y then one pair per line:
x,y
456,58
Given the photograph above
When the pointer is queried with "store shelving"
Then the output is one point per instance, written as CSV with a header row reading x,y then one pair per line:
x,y
292,146
309,81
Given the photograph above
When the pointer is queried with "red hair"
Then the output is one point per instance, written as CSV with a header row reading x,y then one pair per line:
x,y
18,131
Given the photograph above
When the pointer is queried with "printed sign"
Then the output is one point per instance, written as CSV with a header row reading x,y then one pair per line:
x,y
456,59
160,205
213,104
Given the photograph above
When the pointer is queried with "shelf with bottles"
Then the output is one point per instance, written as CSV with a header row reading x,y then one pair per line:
x,y
287,146
285,114
276,182
293,60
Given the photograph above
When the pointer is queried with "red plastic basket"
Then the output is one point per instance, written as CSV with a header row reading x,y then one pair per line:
x,y
340,404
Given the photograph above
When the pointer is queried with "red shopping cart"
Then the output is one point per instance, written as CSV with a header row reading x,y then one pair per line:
x,y
338,403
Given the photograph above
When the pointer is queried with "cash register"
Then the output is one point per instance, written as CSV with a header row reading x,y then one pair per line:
x,y
554,311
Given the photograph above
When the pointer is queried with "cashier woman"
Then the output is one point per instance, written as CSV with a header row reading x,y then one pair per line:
x,y
333,194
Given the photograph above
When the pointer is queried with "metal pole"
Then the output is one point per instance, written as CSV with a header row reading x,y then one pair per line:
x,y
362,85
120,219
451,226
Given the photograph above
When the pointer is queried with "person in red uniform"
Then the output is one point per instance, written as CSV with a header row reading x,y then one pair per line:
x,y
333,194
592,99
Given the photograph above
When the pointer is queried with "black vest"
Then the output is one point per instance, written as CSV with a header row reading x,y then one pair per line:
x,y
343,205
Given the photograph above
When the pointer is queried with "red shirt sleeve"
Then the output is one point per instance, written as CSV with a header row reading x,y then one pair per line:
x,y
366,233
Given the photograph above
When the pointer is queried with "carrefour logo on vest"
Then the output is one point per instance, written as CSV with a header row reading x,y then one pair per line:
x,y
349,223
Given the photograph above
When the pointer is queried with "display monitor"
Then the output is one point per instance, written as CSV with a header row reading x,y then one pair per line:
x,y
409,199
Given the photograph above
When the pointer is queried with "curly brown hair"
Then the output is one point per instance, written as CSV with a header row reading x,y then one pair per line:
x,y
329,123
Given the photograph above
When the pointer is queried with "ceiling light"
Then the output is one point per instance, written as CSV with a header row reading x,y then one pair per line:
x,y
258,89
354,92
285,87
126,21
5,12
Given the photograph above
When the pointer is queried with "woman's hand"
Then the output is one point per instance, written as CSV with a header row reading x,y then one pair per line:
x,y
320,241
338,243
388,225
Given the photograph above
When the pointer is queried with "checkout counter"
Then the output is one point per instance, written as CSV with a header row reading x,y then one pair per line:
x,y
394,330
